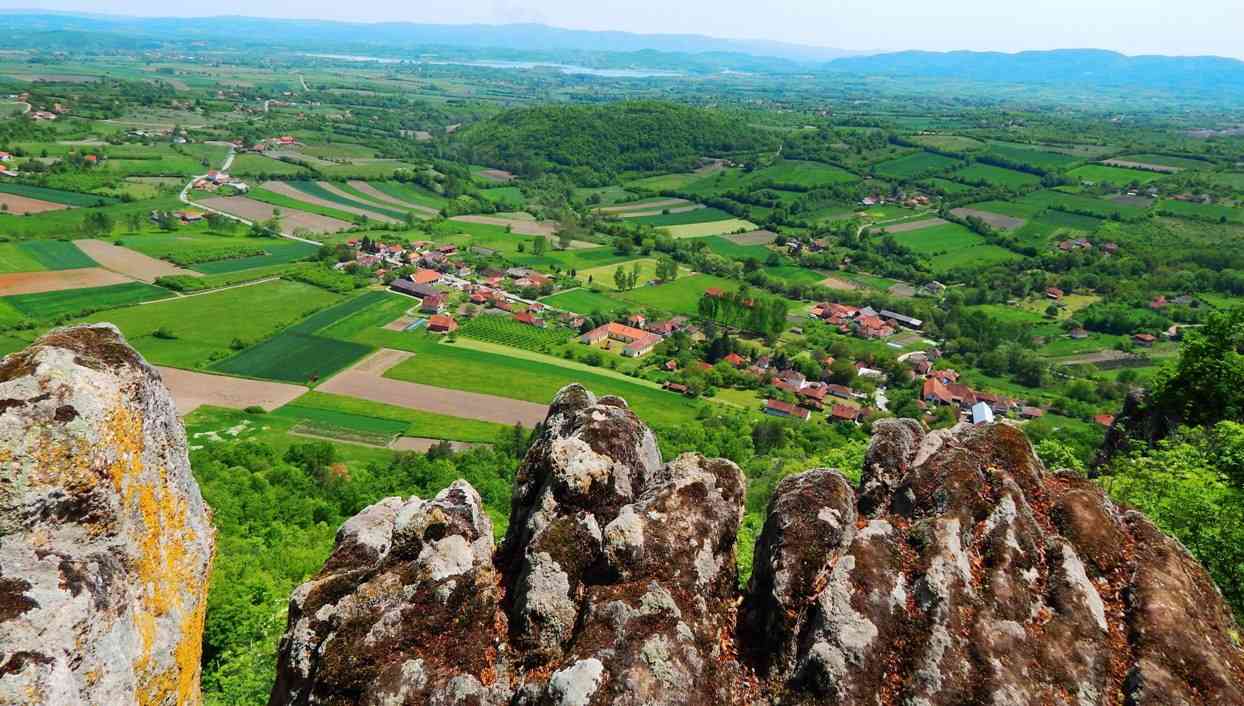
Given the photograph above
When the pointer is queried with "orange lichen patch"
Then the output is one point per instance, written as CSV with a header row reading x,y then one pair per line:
x,y
165,567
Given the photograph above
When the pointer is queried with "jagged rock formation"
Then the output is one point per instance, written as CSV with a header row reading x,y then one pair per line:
x,y
1136,424
105,542
961,572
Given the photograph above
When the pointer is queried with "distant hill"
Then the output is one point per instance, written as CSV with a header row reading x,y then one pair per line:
x,y
628,136
519,37
1064,67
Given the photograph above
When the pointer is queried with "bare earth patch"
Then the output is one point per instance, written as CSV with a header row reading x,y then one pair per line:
x,y
21,205
913,225
380,197
365,382
836,283
291,220
280,187
497,175
192,390
1127,164
129,262
35,282
995,220
421,444
400,323
517,225
662,211
645,205
756,237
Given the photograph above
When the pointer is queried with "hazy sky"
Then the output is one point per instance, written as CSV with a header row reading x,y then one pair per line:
x,y
1130,26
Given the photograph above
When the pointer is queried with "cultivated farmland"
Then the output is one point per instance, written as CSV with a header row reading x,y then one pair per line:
x,y
52,281
291,220
507,332
916,166
697,230
21,205
130,263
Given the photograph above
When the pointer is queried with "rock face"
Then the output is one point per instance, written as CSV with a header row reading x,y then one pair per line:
x,y
960,572
105,542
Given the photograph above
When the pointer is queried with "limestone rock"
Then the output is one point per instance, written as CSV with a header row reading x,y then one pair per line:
x,y
960,572
105,542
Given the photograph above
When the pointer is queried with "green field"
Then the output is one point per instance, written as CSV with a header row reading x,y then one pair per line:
x,y
428,425
995,176
293,357
950,188
531,380
949,143
1040,159
698,230
803,174
287,203
1166,160
603,276
68,198
257,165
682,296
1082,204
40,255
1202,211
1007,208
211,326
276,252
734,251
186,249
312,188
915,166
504,330
296,354
951,245
699,215
51,306
793,274
341,425
62,223
410,193
504,196
584,301
1117,176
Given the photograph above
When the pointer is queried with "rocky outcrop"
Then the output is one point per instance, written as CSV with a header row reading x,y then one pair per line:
x,y
1138,424
960,572
105,542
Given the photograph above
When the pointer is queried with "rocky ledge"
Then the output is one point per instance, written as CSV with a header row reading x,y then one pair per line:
x,y
105,542
960,572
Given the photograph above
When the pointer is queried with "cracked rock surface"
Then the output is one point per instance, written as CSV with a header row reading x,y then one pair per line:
x,y
105,542
961,571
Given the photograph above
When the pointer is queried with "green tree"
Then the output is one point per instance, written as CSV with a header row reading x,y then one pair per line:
x,y
1206,383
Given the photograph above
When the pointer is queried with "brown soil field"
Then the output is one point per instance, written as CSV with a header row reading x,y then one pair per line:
x,y
35,282
253,210
646,205
192,390
400,323
365,382
130,263
1142,165
756,237
498,175
1125,200
995,220
914,225
421,444
517,225
280,187
1094,358
380,197
21,205
661,211
836,283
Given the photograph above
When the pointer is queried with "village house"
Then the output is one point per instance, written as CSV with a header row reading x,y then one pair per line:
x,y
1144,339
433,304
1104,420
637,342
1053,293
440,323
845,413
779,408
872,327
529,319
735,360
425,276
895,319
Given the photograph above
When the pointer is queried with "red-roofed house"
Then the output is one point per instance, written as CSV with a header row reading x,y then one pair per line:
x,y
440,323
433,304
638,342
530,319
1104,419
934,391
736,360
779,408
1053,293
843,413
1145,339
425,276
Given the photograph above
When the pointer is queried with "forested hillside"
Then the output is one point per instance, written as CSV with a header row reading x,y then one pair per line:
x,y
598,142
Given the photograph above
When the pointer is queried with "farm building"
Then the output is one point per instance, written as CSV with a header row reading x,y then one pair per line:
x,y
529,319
425,276
844,413
638,342
896,319
779,408
433,304
440,323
